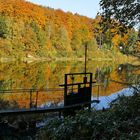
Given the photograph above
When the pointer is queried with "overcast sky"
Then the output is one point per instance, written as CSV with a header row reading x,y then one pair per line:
x,y
83,7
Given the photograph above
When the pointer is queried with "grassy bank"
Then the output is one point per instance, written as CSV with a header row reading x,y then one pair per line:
x,y
99,56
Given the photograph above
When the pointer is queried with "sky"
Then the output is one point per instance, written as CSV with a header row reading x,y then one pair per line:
x,y
87,8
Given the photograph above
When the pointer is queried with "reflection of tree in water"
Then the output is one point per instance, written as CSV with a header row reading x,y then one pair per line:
x,y
129,73
22,75
35,75
50,74
1,84
102,75
5,104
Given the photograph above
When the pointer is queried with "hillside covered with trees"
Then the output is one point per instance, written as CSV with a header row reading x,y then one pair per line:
x,y
31,31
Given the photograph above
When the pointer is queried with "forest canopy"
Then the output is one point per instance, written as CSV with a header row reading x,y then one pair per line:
x,y
30,31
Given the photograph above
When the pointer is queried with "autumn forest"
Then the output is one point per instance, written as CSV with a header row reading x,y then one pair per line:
x,y
31,31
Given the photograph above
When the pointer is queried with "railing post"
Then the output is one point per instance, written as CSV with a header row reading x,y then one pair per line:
x,y
90,89
30,98
36,98
98,91
65,90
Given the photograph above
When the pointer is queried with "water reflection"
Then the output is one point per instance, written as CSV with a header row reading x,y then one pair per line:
x,y
103,75
129,73
49,75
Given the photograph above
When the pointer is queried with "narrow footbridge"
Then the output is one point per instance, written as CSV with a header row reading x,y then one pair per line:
x,y
76,95
44,110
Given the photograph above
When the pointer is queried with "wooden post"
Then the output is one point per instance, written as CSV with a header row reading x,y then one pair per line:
x,y
36,98
65,90
90,89
30,98
85,59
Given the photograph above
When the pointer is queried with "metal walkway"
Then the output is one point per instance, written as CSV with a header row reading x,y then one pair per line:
x,y
43,110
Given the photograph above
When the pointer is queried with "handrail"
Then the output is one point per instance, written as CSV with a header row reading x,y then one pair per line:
x,y
39,90
77,83
31,90
78,73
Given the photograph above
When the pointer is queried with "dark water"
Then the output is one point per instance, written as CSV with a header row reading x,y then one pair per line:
x,y
49,75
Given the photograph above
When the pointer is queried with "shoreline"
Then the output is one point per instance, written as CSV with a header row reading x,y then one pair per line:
x,y
33,59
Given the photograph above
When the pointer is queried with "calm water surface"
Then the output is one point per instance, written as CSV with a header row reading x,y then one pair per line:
x,y
49,75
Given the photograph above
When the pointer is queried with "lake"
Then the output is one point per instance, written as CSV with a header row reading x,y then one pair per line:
x,y
47,76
